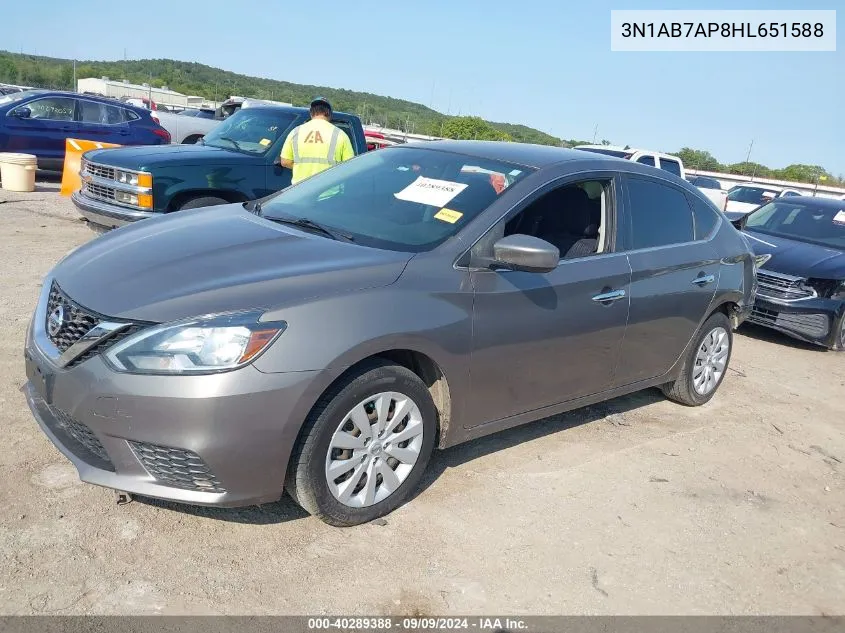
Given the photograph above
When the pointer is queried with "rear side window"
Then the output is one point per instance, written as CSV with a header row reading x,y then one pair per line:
x,y
704,216
103,114
672,166
658,215
646,160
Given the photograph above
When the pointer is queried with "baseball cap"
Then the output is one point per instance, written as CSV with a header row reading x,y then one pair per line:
x,y
322,100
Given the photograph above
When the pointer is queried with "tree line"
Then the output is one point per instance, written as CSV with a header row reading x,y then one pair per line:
x,y
215,84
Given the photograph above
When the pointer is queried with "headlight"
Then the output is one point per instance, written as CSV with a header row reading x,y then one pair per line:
x,y
199,346
126,177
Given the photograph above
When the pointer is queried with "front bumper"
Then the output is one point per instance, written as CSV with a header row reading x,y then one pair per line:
x,y
818,321
108,215
216,440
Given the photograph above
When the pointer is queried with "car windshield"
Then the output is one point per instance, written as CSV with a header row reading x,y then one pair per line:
x,y
401,198
802,221
251,131
750,195
18,96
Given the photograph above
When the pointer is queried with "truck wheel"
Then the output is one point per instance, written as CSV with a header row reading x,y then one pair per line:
x,y
364,446
204,201
705,365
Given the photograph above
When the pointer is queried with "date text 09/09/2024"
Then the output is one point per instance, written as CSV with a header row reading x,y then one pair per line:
x,y
490,624
722,29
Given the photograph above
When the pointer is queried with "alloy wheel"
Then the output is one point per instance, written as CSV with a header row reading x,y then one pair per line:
x,y
711,361
374,449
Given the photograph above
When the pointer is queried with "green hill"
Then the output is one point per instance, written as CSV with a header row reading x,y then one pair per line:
x,y
216,84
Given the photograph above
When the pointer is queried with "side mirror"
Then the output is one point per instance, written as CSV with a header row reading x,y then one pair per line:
x,y
526,253
23,112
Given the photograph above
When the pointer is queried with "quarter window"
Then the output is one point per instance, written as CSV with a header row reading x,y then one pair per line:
x,y
672,166
646,160
705,218
52,109
659,215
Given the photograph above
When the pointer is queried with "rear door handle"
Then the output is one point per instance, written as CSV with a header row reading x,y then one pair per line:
x,y
607,297
703,280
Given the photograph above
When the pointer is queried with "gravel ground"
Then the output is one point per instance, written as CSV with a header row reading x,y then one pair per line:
x,y
631,507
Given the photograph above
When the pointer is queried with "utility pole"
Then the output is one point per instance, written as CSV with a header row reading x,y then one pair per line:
x,y
74,76
748,155
595,133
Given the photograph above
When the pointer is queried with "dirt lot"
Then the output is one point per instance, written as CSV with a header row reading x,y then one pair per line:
x,y
636,506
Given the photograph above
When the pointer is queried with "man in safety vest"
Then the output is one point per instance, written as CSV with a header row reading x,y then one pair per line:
x,y
317,145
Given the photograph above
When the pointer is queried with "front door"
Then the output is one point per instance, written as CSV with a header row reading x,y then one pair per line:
x,y
540,339
673,278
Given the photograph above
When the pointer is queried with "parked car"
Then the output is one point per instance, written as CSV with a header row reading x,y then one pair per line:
x,y
711,188
327,338
236,162
187,129
802,282
744,198
667,162
39,122
201,113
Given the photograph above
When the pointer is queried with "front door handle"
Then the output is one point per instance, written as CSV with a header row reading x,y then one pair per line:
x,y
703,280
607,297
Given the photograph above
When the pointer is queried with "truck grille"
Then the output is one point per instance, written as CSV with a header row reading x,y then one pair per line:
x,y
176,467
782,287
816,326
76,321
99,191
101,171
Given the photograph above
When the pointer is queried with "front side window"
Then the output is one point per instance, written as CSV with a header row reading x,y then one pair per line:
x,y
52,109
251,131
801,221
405,198
658,214
672,166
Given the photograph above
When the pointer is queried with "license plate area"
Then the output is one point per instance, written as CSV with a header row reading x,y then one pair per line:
x,y
41,378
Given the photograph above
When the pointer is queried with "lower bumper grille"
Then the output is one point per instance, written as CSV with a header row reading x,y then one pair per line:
x,y
78,437
176,467
815,326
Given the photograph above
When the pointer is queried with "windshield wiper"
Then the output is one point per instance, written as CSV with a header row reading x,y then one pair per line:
x,y
231,140
308,224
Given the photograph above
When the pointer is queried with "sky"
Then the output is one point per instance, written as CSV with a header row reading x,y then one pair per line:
x,y
546,64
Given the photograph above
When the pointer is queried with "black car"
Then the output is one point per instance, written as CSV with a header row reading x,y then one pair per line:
x,y
802,283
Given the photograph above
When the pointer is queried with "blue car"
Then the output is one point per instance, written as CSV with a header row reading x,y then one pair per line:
x,y
38,122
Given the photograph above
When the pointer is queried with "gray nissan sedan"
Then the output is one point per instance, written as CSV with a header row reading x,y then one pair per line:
x,y
326,339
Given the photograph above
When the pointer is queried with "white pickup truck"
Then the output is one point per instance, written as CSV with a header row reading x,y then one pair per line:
x,y
711,188
666,162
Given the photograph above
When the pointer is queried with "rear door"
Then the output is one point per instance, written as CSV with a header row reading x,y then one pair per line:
x,y
102,122
674,275
43,133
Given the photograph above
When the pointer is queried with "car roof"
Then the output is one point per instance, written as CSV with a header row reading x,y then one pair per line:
x,y
825,203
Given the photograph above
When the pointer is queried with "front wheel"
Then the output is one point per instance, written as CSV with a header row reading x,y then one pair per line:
x,y
705,364
364,447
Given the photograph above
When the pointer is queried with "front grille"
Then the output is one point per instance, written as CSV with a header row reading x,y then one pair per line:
x,y
98,191
176,467
76,321
101,171
813,325
782,287
104,344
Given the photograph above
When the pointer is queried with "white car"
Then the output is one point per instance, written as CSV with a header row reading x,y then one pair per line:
x,y
711,188
744,198
666,162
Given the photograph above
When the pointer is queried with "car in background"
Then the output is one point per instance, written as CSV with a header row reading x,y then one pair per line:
x,y
744,198
326,339
666,162
711,188
39,122
236,161
801,284
200,113
140,102
7,90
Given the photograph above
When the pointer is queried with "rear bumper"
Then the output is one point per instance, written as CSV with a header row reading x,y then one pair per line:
x,y
108,215
818,321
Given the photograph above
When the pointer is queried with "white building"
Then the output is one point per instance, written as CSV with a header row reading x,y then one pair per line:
x,y
109,88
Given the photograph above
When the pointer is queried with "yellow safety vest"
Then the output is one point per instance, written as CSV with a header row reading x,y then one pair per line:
x,y
314,147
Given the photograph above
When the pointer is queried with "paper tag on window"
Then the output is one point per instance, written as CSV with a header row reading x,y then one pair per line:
x,y
448,215
437,193
265,142
839,218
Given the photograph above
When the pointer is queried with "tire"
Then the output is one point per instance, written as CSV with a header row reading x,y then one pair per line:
x,y
204,201
683,389
308,479
192,140
839,344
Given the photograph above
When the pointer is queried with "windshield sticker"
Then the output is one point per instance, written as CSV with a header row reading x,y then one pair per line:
x,y
515,172
265,142
839,218
437,193
448,215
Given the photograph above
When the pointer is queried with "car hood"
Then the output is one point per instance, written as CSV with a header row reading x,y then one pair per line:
x,y
800,259
213,260
740,207
142,157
